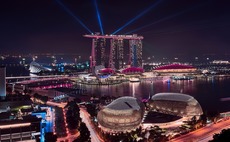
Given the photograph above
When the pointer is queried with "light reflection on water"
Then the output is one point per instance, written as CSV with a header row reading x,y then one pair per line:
x,y
207,90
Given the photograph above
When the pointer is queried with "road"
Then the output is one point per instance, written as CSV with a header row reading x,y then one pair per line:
x,y
61,105
35,76
172,124
86,119
69,136
203,134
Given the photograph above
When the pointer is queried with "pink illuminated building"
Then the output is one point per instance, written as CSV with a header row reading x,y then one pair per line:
x,y
114,58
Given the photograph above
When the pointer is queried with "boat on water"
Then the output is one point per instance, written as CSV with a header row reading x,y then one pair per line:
x,y
134,79
183,77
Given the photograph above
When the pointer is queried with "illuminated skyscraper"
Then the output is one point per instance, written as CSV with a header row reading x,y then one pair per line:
x,y
116,57
2,83
99,45
135,53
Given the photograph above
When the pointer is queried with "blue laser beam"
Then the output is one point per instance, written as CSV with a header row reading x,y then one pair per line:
x,y
158,21
74,16
193,29
163,19
138,16
99,17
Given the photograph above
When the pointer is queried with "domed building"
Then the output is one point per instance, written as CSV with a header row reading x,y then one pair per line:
x,y
175,104
122,115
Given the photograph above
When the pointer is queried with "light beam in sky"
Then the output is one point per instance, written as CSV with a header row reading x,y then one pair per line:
x,y
137,17
164,19
74,16
99,17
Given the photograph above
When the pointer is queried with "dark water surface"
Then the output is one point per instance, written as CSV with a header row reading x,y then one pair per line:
x,y
207,90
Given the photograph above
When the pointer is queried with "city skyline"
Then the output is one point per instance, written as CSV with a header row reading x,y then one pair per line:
x,y
178,27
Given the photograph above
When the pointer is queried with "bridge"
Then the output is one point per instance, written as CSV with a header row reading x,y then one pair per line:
x,y
27,77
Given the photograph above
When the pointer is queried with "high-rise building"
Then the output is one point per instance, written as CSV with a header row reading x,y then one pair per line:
x,y
100,54
135,53
2,83
116,58
112,54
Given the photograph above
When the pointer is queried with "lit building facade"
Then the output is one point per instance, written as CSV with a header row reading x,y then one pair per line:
x,y
2,83
115,58
132,70
175,104
100,53
122,115
135,53
175,68
36,68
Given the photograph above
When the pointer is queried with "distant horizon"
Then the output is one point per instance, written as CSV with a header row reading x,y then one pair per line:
x,y
67,57
66,53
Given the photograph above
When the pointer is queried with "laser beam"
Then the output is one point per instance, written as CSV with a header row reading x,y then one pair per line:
x,y
74,16
216,25
99,17
137,17
164,19
158,21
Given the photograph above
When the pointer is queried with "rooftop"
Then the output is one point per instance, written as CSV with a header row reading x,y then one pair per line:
x,y
172,97
107,70
175,66
133,69
124,103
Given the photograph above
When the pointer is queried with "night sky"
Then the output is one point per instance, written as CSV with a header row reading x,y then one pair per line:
x,y
169,27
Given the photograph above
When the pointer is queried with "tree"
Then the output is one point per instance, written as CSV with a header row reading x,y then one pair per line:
x,y
193,120
44,99
91,109
84,134
213,115
9,90
203,119
50,137
36,95
77,100
26,91
72,115
224,136
156,134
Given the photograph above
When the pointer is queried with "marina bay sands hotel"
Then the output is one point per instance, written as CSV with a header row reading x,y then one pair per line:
x,y
116,51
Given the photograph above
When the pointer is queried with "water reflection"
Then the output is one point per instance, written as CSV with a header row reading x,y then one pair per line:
x,y
207,90
134,86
